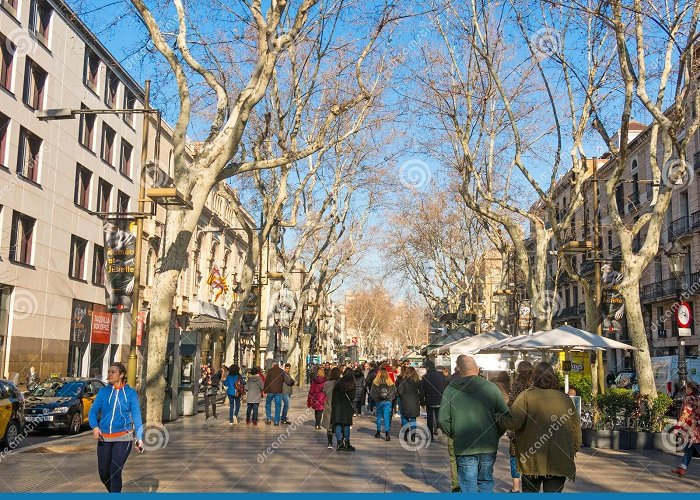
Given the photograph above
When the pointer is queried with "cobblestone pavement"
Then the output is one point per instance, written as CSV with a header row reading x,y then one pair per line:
x,y
211,455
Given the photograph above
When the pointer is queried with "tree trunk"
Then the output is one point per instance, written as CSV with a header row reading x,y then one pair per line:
x,y
629,289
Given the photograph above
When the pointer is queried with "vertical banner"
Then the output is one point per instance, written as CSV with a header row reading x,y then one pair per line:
x,y
141,324
120,251
101,325
81,323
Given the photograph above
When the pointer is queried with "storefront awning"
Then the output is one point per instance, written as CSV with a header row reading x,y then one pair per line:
x,y
207,316
207,323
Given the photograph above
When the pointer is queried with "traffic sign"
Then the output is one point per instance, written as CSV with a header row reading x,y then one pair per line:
x,y
683,319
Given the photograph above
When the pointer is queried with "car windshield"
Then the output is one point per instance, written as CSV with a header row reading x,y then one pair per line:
x,y
70,389
47,389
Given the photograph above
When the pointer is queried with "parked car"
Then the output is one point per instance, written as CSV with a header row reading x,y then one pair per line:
x,y
11,413
62,404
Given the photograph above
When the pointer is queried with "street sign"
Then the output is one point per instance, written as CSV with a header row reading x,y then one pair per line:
x,y
683,319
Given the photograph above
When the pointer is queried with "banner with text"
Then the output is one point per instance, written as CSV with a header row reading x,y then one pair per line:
x,y
120,250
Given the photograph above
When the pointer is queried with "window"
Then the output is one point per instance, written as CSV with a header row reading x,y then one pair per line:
x,y
10,6
91,70
129,103
40,19
4,134
104,196
610,241
696,160
7,50
98,264
108,136
620,198
81,197
111,88
29,156
125,162
87,130
34,85
21,238
635,187
77,258
122,202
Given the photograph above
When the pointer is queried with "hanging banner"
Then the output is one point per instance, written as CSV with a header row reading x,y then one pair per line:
x,y
120,250
613,303
80,322
101,325
140,325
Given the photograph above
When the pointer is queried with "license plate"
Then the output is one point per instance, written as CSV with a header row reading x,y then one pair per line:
x,y
41,418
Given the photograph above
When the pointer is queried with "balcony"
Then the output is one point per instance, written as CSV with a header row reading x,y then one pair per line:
x,y
679,227
695,221
660,290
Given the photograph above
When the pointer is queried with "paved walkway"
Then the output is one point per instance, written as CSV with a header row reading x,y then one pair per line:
x,y
213,456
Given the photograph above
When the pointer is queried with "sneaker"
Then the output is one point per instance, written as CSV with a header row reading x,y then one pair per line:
x,y
235,420
230,422
341,446
387,437
378,434
330,446
679,471
207,417
286,422
276,424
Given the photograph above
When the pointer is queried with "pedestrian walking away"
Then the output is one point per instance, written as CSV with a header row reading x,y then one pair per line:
x,y
327,420
274,386
368,383
254,388
469,411
210,383
235,389
342,408
359,399
317,398
544,410
689,423
383,392
432,386
522,382
287,387
409,392
115,419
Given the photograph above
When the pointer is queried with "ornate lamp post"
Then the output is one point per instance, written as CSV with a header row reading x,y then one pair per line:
x,y
676,263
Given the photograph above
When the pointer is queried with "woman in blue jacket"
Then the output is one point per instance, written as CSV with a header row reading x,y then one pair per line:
x,y
115,417
234,395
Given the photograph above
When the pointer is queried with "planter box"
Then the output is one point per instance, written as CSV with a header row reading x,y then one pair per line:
x,y
623,440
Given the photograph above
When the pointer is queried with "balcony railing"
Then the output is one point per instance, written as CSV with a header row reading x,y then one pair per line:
x,y
659,290
567,312
587,267
679,227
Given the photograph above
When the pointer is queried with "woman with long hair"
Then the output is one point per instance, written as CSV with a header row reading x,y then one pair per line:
x,y
523,381
343,408
689,422
317,398
383,392
544,410
115,419
409,392
235,388
326,421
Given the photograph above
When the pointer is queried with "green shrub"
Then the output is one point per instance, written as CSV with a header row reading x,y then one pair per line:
x,y
582,383
616,407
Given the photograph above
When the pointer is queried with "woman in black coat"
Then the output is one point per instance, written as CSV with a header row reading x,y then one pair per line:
x,y
359,390
342,409
409,392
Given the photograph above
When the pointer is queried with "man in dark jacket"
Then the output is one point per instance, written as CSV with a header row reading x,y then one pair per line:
x,y
469,410
368,383
432,386
274,387
286,392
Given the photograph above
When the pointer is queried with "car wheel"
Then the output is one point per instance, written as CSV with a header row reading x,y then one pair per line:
x,y
76,422
11,434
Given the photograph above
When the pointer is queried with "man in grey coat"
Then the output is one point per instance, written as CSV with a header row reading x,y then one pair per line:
x,y
286,392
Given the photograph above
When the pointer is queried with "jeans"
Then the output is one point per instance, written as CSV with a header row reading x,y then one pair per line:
x,y
209,399
476,472
549,484
514,468
688,456
234,406
433,412
285,406
111,457
384,413
405,420
268,407
251,412
342,432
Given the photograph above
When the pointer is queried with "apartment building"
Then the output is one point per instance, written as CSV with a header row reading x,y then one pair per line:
x,y
56,175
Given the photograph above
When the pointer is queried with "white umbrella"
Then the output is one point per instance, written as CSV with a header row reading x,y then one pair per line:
x,y
472,344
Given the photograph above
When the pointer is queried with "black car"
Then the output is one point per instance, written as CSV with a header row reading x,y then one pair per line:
x,y
11,413
61,405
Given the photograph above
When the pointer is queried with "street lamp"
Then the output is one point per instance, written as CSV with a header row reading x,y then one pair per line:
x,y
169,197
676,262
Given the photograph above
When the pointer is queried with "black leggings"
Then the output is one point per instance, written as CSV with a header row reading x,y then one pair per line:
x,y
318,414
111,457
329,435
549,484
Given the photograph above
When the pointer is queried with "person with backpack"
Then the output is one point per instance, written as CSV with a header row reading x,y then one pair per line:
x,y
254,387
235,389
383,392
359,390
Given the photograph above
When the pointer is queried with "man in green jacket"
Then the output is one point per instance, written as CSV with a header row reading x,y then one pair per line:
x,y
468,413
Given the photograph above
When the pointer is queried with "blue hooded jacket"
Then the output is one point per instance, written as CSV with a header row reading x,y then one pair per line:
x,y
230,384
116,410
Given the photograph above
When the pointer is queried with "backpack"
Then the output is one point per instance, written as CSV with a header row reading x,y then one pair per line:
x,y
383,393
239,386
